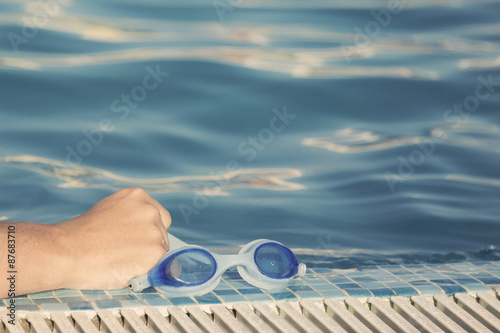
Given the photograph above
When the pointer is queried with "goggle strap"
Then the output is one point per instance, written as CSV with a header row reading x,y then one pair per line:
x,y
139,283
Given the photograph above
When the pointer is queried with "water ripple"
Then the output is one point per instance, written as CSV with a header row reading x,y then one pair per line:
x,y
348,140
73,176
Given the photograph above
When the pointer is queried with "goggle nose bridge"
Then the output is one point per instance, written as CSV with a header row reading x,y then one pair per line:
x,y
226,261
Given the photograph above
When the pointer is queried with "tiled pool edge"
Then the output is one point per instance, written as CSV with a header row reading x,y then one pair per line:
x,y
318,284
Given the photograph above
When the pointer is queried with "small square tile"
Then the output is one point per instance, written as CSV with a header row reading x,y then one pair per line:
x,y
360,279
408,278
79,306
348,285
455,276
18,301
379,272
488,280
226,292
387,278
402,272
180,301
382,292
358,292
20,296
390,267
258,297
72,299
233,299
93,292
45,300
481,274
443,281
336,294
433,276
339,279
158,302
124,297
466,281
313,280
107,303
452,289
429,290
309,295
133,303
393,285
149,296
300,288
425,271
207,299
405,291
27,308
250,291
96,297
325,287
476,287
420,283
372,285
43,294
322,270
283,296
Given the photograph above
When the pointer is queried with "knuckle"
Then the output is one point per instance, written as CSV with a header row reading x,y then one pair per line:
x,y
150,211
134,191
168,221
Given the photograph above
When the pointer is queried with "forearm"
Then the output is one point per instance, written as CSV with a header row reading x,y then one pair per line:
x,y
120,237
39,258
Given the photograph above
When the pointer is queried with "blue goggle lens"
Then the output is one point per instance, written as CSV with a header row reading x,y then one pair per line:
x,y
276,261
189,268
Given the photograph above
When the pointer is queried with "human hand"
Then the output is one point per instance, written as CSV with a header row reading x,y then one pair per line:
x,y
120,237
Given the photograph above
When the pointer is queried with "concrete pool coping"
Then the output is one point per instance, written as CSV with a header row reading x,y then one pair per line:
x,y
319,287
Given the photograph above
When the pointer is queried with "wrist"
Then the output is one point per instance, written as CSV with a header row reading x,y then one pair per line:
x,y
66,245
43,263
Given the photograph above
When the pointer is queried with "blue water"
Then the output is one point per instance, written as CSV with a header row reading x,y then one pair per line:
x,y
354,132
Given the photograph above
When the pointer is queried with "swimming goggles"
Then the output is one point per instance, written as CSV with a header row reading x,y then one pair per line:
x,y
190,270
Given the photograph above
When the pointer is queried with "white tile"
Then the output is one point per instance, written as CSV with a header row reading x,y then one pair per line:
x,y
157,322
248,318
271,317
367,317
459,315
295,318
200,318
337,310
444,322
402,306
319,317
383,310
181,321
477,311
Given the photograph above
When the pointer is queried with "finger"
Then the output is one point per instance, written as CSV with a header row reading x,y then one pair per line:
x,y
166,244
165,215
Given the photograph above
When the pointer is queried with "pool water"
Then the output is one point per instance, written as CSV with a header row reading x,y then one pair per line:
x,y
357,133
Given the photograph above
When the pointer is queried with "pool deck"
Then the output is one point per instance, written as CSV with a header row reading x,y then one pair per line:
x,y
320,289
